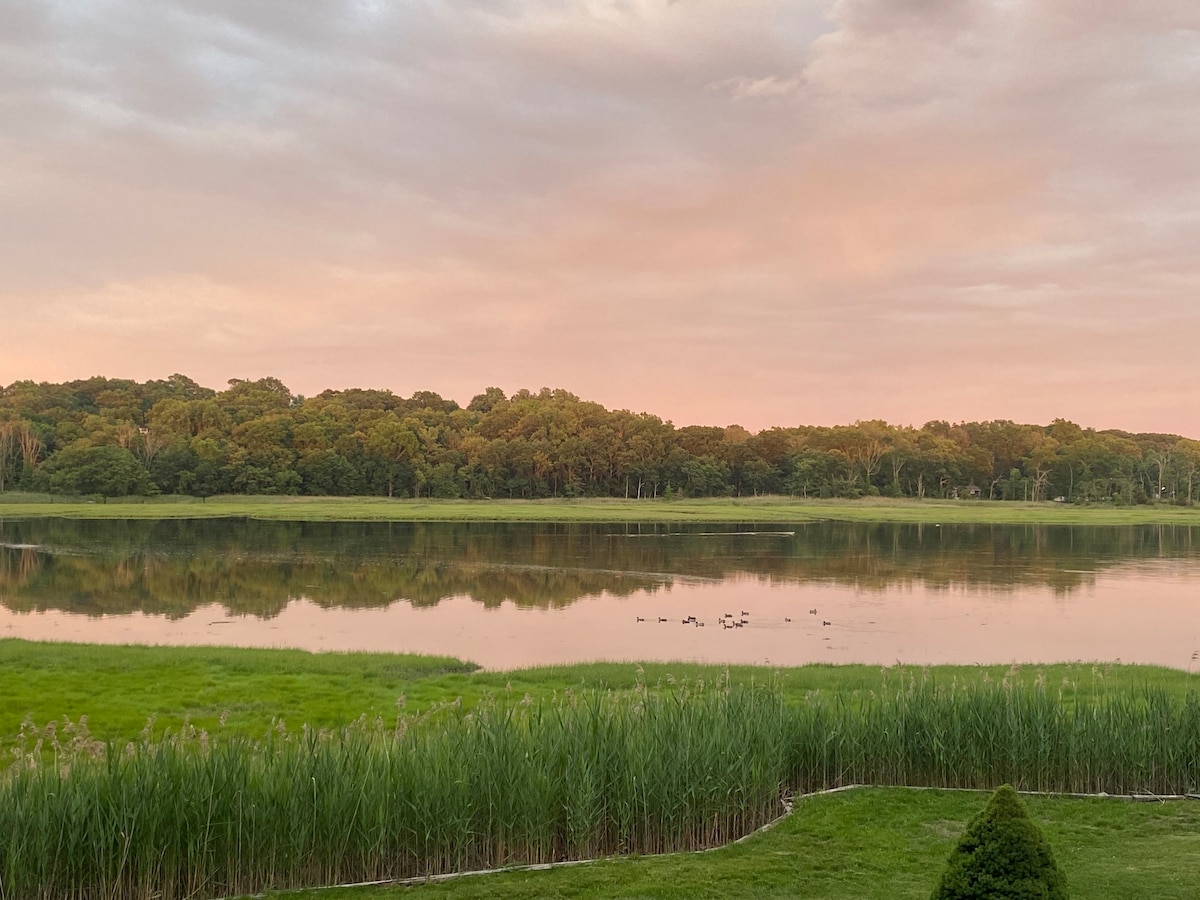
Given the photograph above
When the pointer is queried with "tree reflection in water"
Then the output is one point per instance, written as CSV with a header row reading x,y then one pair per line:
x,y
256,568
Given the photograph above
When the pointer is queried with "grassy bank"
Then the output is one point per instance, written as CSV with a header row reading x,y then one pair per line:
x,y
583,775
747,509
555,763
868,844
120,688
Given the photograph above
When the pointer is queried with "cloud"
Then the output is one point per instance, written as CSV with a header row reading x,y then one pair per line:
x,y
743,88
769,211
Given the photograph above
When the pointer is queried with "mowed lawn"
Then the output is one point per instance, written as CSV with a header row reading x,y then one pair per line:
x,y
711,510
866,844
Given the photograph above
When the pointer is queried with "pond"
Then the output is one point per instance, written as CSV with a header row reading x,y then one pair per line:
x,y
510,595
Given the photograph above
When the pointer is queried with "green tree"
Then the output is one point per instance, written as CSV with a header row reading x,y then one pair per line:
x,y
1002,855
391,443
111,471
487,401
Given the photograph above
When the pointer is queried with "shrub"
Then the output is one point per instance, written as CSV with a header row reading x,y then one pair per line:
x,y
1002,855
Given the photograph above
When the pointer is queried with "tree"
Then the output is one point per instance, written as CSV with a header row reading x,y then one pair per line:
x,y
391,442
246,400
1187,460
111,471
487,401
8,444
814,473
1039,463
902,448
31,445
1002,855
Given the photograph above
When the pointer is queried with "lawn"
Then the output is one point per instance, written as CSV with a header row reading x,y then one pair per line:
x,y
885,843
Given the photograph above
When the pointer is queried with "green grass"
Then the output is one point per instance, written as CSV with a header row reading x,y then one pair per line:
x,y
580,776
866,844
120,688
653,762
584,775
747,509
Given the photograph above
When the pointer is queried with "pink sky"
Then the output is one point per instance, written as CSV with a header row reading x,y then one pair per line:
x,y
770,212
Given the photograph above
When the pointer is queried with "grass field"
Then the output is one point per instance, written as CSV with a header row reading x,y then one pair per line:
x,y
866,844
758,509
120,688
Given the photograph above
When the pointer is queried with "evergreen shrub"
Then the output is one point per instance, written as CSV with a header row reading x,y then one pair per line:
x,y
1002,855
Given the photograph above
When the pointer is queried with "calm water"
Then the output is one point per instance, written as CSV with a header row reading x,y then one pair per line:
x,y
512,595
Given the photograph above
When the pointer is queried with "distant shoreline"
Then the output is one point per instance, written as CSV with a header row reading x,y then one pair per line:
x,y
602,510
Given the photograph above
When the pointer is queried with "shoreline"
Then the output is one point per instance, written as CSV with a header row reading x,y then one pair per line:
x,y
604,510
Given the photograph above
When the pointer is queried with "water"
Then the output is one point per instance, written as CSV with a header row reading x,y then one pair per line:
x,y
508,595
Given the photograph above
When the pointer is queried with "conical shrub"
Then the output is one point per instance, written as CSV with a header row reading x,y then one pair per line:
x,y
1002,855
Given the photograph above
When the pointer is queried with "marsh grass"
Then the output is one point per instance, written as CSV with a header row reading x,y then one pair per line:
x,y
509,781
119,687
763,509
578,775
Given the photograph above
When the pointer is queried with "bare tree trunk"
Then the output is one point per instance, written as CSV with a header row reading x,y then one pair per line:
x,y
7,442
31,445
126,435
149,446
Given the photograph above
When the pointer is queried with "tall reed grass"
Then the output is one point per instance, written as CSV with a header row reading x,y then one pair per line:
x,y
981,734
582,775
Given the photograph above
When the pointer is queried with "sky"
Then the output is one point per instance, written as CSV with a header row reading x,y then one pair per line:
x,y
768,212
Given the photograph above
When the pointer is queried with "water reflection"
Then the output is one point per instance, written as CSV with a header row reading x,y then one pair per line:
x,y
515,595
256,568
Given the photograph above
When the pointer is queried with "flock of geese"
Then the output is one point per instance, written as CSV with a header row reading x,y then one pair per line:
x,y
725,620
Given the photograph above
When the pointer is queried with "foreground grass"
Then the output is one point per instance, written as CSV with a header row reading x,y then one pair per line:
x,y
655,762
726,510
588,774
120,688
867,844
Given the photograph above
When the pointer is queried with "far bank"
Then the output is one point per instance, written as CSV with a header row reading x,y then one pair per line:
x,y
740,509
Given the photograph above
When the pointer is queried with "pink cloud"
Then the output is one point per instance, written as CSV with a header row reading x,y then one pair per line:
x,y
908,209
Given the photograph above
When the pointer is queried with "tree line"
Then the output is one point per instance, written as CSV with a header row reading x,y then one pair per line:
x,y
117,437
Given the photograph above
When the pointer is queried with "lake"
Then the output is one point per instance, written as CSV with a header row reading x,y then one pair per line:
x,y
509,595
